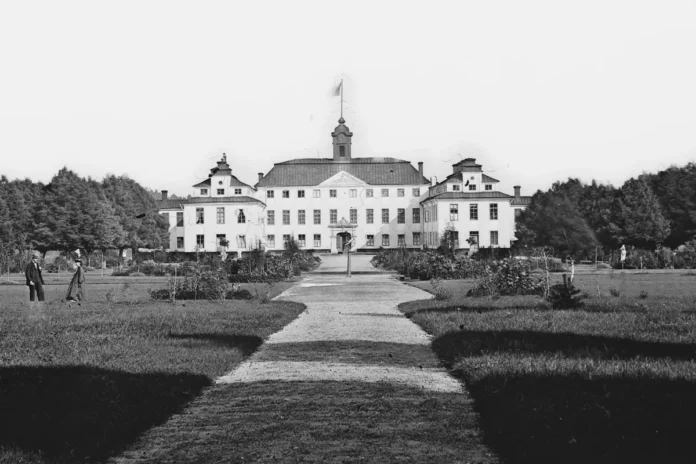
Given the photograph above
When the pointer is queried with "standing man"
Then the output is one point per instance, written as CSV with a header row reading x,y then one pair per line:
x,y
35,280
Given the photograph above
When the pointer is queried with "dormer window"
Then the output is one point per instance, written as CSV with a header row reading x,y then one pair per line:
x,y
456,187
489,187
237,191
472,187
220,191
204,191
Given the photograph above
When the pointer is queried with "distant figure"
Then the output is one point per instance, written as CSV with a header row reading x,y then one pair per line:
x,y
77,290
35,280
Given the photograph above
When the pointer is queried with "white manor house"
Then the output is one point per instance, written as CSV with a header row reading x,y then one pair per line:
x,y
327,204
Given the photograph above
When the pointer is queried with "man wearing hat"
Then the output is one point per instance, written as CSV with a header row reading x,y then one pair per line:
x,y
35,280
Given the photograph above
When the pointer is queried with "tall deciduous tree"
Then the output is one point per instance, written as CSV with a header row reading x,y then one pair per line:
x,y
675,189
642,222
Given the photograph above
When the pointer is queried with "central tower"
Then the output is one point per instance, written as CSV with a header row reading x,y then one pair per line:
x,y
341,141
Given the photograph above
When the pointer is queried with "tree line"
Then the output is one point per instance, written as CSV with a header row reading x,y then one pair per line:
x,y
72,212
647,212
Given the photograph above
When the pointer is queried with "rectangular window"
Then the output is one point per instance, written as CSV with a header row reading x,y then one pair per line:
x,y
400,192
416,192
220,239
489,187
333,216
241,242
353,193
286,193
199,216
300,194
286,239
385,216
180,219
270,194
317,240
301,217
317,216
385,192
416,239
342,151
270,217
401,240
286,217
473,212
238,191
204,191
456,187
369,193
474,237
220,191
454,212
353,216
401,216
472,187
427,215
270,241
317,193
370,240
370,216
200,241
221,215
385,240
301,239
180,242
494,237
241,218
416,215
494,211
332,193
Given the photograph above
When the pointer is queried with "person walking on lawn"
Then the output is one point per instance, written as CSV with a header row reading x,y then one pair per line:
x,y
35,280
77,290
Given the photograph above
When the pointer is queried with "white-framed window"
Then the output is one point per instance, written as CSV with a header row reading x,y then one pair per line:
x,y
220,238
286,239
385,216
488,187
353,216
316,193
416,239
332,193
301,216
474,237
241,218
353,193
200,240
385,240
286,193
317,216
456,187
472,187
270,217
270,241
200,218
180,243
454,212
493,209
221,215
302,240
370,216
270,193
385,192
241,242
237,191
369,192
333,216
494,237
401,216
416,215
286,217
317,240
427,215
179,219
220,191
370,240
416,192
204,191
300,194
473,212
400,192
401,240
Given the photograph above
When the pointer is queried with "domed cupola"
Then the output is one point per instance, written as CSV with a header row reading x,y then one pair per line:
x,y
341,141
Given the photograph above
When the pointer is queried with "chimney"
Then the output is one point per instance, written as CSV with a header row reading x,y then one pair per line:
x,y
517,191
420,168
165,194
260,176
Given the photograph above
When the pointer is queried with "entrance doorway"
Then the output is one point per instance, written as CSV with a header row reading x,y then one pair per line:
x,y
342,239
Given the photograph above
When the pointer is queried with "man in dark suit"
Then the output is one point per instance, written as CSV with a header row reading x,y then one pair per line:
x,y
35,280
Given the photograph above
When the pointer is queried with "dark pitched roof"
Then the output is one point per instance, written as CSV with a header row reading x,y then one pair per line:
x,y
234,182
521,201
467,196
488,179
174,204
314,171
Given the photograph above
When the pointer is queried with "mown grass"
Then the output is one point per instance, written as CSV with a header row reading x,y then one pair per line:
x,y
79,384
611,383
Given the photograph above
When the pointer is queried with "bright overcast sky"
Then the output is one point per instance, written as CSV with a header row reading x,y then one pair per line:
x,y
535,91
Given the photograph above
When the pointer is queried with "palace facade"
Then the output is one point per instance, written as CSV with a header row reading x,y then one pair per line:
x,y
327,204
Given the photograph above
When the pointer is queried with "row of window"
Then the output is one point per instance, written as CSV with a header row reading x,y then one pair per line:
x,y
353,216
473,212
219,214
221,191
433,238
472,187
352,193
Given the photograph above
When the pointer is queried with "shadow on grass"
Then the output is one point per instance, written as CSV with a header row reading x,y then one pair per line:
x,y
452,345
76,413
572,419
247,344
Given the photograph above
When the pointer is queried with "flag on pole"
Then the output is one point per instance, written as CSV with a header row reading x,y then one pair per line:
x,y
337,90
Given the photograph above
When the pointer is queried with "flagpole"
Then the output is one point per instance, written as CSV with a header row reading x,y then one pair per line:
x,y
341,98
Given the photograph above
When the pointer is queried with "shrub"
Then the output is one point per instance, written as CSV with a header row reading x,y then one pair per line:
x,y
615,292
508,277
427,265
440,292
643,294
565,296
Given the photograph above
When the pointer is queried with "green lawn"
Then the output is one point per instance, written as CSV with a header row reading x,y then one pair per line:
x,y
612,383
80,384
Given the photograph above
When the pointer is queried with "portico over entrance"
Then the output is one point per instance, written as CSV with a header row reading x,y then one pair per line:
x,y
341,235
